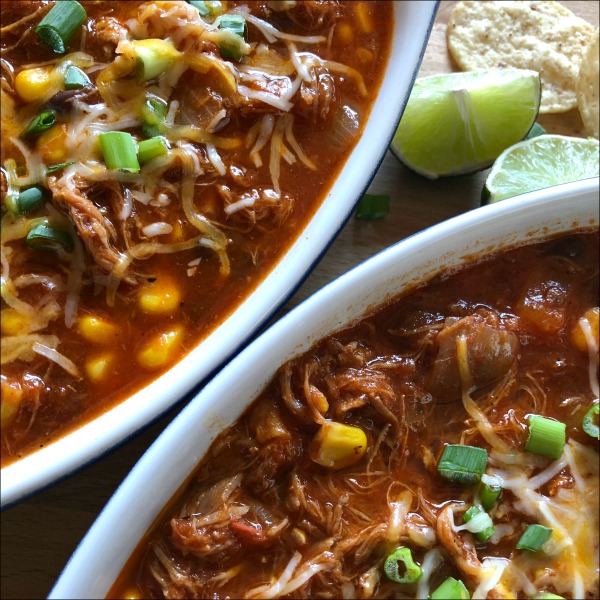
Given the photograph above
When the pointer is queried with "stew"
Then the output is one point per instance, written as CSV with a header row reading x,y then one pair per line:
x,y
157,160
445,446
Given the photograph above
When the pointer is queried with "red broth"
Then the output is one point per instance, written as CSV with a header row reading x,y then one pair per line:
x,y
142,265
337,465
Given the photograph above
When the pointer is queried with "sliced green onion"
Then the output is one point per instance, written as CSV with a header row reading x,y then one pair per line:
x,y
60,24
206,8
152,148
536,130
235,24
546,436
411,571
120,151
58,167
40,124
371,207
488,495
75,79
450,589
534,537
45,237
24,202
479,523
463,464
590,422
155,57
154,112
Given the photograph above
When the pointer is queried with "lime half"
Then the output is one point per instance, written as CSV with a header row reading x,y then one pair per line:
x,y
459,123
539,163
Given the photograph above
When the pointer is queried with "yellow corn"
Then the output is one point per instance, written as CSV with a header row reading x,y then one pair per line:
x,y
336,445
37,84
97,330
13,322
98,368
160,297
52,144
344,33
11,397
578,336
161,349
298,536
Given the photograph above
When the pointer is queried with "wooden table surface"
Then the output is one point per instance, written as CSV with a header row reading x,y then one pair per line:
x,y
40,533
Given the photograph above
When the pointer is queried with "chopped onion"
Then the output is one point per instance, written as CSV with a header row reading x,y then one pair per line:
x,y
159,228
57,357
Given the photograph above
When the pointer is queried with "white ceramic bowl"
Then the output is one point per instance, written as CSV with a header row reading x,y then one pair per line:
x,y
413,22
175,454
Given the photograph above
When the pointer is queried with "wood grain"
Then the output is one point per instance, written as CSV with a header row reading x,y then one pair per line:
x,y
39,534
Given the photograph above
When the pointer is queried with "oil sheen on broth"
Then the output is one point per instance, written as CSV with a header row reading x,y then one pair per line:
x,y
338,474
120,252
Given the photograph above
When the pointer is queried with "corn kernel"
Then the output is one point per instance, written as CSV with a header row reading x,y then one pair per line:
x,y
13,322
52,144
97,330
98,368
160,297
578,336
160,350
11,397
344,33
36,85
299,537
336,445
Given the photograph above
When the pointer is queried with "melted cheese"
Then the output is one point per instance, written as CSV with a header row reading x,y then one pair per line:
x,y
569,560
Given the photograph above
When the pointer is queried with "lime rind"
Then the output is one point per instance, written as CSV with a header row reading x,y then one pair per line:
x,y
459,123
541,162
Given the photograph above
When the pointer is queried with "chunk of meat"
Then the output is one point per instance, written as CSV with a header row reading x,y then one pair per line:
x,y
491,351
462,550
354,354
203,526
317,96
460,547
312,15
258,528
365,386
105,34
220,522
272,461
278,88
95,229
212,543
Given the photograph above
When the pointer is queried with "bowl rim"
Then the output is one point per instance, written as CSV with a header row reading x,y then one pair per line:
x,y
523,211
90,441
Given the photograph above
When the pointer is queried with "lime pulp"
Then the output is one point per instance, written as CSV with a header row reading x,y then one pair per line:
x,y
457,123
541,162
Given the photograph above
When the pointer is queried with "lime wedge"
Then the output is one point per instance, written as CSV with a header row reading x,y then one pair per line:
x,y
458,123
539,163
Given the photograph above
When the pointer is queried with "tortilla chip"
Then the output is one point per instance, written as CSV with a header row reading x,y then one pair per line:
x,y
543,36
587,88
